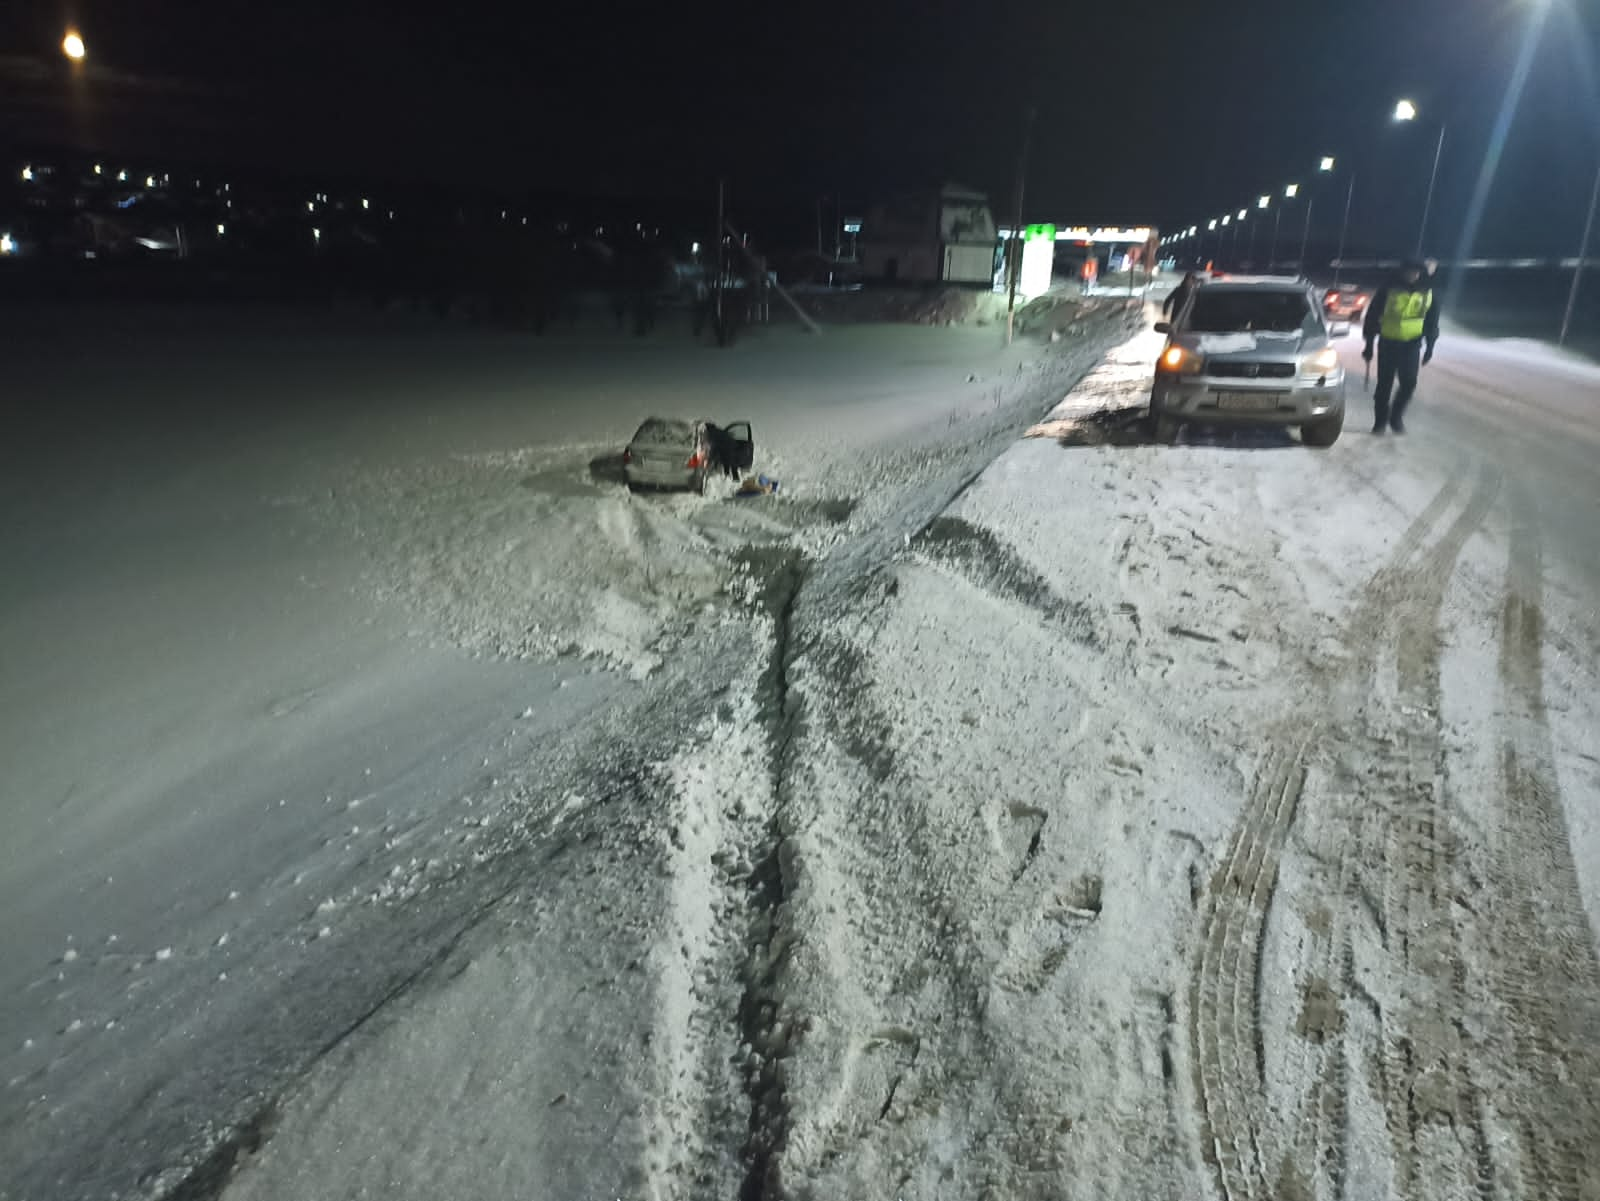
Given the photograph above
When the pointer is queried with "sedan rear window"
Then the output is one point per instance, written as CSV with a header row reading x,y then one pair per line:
x,y
664,430
1241,311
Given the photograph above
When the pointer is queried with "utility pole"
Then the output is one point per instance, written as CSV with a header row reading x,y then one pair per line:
x,y
1338,263
717,314
1583,253
1014,260
1305,235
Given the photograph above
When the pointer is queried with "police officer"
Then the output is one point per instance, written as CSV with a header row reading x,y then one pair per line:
x,y
1402,317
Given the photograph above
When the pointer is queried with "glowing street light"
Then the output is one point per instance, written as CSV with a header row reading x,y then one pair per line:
x,y
1327,163
72,46
1212,224
1263,202
1404,110
1243,213
1227,220
1290,192
122,177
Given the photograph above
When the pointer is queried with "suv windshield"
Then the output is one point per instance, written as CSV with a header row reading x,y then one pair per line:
x,y
1228,311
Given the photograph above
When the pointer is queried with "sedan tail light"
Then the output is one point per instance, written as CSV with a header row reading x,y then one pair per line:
x,y
696,460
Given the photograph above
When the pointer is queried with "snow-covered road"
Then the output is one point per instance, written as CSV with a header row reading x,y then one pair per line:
x,y
1064,817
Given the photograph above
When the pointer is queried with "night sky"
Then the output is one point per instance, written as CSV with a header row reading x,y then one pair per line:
x,y
1146,111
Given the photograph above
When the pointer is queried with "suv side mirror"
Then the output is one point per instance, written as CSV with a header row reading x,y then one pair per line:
x,y
1339,329
1165,327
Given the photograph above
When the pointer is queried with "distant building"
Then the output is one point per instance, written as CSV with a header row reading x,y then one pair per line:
x,y
946,235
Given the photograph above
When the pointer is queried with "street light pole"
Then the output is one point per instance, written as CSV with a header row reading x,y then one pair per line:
x,y
1014,259
1350,195
1583,253
1277,222
1305,235
1427,205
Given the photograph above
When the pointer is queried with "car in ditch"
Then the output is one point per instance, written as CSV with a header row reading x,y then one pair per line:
x,y
1251,350
669,452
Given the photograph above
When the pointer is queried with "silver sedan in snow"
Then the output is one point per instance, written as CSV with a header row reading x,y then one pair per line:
x,y
1251,350
667,452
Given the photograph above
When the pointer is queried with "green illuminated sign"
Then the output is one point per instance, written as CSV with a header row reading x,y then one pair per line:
x,y
1039,233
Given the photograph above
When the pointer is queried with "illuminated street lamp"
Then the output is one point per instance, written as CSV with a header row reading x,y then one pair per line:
x,y
1290,192
1327,163
1404,110
72,46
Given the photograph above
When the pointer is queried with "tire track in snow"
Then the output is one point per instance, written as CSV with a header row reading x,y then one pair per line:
x,y
1431,1105
1544,971
1239,1137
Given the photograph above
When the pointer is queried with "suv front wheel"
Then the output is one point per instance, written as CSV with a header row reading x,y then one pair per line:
x,y
1323,434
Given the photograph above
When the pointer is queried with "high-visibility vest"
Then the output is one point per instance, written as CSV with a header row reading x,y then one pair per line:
x,y
1404,315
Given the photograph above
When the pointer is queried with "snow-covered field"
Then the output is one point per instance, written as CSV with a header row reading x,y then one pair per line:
x,y
313,632
1063,817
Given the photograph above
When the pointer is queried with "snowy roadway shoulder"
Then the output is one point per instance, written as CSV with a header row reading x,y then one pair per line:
x,y
1148,787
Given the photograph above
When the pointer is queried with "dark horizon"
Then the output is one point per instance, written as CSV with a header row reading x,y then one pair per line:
x,y
1170,116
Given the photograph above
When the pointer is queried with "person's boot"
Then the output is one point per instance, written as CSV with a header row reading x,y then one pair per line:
x,y
1380,416
1397,425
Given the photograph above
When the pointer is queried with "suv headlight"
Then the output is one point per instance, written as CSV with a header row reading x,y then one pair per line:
x,y
1179,361
1320,362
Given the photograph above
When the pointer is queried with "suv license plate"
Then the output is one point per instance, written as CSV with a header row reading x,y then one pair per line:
x,y
1249,400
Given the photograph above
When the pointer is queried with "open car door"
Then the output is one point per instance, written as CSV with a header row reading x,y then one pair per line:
x,y
742,444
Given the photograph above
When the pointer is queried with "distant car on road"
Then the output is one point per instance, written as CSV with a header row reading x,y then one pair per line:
x,y
1345,303
667,452
1251,350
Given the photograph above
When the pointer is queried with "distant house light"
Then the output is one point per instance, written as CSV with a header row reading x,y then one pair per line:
x,y
122,177
98,169
311,206
365,203
316,235
149,181
8,244
221,229
27,174
694,248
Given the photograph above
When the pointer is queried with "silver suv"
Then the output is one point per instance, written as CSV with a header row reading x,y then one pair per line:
x,y
1251,350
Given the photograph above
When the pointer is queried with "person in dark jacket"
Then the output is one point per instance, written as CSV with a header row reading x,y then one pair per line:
x,y
1172,306
1404,320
